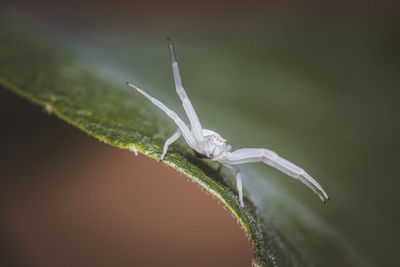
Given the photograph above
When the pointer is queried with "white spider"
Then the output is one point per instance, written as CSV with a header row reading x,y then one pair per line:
x,y
212,145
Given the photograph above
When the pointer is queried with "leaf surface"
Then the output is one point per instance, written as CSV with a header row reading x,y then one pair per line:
x,y
85,89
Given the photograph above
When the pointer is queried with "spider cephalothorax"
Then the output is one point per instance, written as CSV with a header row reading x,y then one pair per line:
x,y
212,145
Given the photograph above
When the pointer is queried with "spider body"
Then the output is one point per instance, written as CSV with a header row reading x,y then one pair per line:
x,y
210,144
214,146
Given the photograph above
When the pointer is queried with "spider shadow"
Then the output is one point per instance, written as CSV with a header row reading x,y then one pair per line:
x,y
202,162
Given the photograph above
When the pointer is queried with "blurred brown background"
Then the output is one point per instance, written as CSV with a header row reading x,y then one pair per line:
x,y
70,200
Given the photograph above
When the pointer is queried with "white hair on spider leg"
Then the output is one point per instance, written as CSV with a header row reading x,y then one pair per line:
x,y
212,145
133,149
48,109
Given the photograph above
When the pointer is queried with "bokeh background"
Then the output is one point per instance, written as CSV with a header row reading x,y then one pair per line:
x,y
316,82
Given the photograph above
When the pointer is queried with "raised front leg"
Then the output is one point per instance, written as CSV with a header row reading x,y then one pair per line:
x,y
187,105
269,157
185,131
169,141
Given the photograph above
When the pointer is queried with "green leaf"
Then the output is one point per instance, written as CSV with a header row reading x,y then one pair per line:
x,y
75,80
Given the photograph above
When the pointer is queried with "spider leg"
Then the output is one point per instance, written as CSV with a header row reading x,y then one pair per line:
x,y
246,155
187,105
169,141
184,130
238,177
239,185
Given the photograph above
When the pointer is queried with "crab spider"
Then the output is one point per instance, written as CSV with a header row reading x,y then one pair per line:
x,y
212,145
